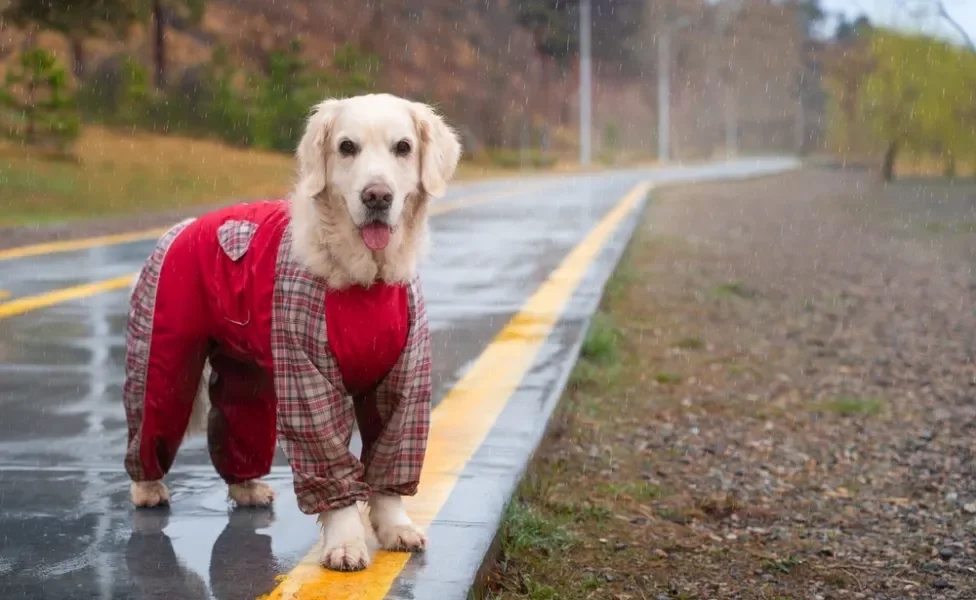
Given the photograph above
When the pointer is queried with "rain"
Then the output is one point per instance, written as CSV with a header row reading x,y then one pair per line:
x,y
505,299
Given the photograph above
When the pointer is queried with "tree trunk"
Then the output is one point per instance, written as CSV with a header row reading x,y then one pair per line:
x,y
888,167
78,57
375,30
159,43
30,135
547,76
950,167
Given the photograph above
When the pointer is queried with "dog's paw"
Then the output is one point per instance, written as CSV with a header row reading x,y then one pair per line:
x,y
344,535
394,529
402,538
348,555
147,494
253,493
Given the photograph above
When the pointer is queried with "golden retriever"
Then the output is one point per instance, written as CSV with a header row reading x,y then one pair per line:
x,y
353,150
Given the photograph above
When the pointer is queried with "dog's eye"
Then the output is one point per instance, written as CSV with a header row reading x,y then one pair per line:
x,y
402,148
347,148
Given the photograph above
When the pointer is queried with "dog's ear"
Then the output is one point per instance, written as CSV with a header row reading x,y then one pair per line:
x,y
440,149
311,149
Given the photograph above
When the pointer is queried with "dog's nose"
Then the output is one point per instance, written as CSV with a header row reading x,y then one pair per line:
x,y
377,196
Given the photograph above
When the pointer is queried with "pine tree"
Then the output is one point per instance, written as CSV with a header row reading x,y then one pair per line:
x,y
36,91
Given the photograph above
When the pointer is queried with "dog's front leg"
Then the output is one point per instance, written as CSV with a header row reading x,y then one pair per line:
x,y
344,535
394,529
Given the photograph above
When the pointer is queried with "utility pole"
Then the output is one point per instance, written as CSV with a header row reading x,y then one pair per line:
x,y
727,12
663,95
585,93
731,120
664,86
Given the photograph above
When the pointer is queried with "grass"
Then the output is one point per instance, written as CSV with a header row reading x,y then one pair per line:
x,y
117,173
951,227
599,354
642,491
527,530
602,342
690,343
665,378
732,289
848,406
580,512
622,279
784,566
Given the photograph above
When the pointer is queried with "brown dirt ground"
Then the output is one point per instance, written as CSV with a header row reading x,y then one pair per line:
x,y
778,401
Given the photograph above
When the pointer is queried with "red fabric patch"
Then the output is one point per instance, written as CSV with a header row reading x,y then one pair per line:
x,y
367,329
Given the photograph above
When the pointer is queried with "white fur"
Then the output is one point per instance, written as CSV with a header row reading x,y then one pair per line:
x,y
394,529
251,493
346,537
148,493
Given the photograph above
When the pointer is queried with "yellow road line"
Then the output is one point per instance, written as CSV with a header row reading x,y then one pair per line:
x,y
81,244
29,303
150,234
464,417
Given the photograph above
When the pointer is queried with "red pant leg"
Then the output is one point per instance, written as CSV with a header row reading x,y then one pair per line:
x,y
166,345
241,431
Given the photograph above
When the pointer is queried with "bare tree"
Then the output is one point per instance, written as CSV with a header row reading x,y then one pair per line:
x,y
941,8
919,8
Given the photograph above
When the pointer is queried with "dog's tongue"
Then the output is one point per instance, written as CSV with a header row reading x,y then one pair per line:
x,y
376,236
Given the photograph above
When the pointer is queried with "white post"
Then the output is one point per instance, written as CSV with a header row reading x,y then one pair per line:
x,y
663,95
586,99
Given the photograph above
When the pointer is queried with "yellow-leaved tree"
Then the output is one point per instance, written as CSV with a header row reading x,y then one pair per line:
x,y
913,93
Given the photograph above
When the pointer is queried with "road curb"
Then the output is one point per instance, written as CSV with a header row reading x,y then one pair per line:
x,y
591,291
463,539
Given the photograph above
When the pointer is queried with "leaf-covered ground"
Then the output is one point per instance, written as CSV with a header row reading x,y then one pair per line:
x,y
777,401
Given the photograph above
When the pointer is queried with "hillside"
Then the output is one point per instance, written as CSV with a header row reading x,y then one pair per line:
x,y
476,62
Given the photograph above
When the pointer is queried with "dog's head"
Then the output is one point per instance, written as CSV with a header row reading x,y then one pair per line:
x,y
378,154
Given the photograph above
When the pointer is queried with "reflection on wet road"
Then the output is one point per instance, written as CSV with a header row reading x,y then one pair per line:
x,y
66,527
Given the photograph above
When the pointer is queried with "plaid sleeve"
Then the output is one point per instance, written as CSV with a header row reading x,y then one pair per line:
x,y
315,416
393,454
314,430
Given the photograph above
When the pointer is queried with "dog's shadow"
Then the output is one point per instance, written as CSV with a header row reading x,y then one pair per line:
x,y
242,564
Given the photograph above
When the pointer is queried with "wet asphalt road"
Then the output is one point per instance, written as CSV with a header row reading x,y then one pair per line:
x,y
67,530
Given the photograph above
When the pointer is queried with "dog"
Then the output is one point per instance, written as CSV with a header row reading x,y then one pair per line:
x,y
293,321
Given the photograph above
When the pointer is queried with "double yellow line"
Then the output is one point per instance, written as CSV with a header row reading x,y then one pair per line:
x,y
26,304
462,420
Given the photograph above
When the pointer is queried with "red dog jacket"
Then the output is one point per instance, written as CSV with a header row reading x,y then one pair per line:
x,y
292,359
